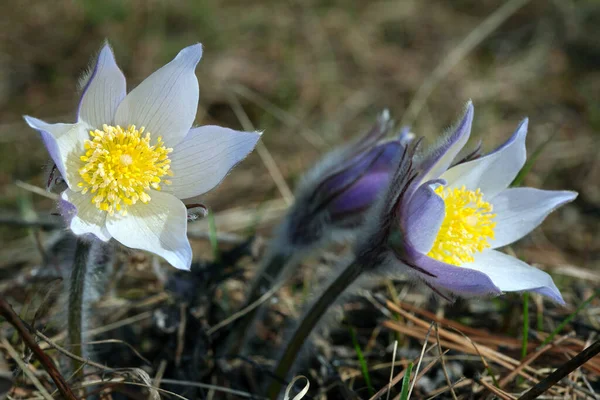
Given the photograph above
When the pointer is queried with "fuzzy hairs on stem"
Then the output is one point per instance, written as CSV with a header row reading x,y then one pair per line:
x,y
370,252
92,263
331,201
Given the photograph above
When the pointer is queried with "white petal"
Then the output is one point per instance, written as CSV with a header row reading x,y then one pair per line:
x,y
158,227
87,218
512,275
103,92
166,102
65,145
438,162
204,158
494,172
519,210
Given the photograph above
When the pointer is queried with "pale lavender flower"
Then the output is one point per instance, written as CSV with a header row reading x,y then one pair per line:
x,y
130,158
448,222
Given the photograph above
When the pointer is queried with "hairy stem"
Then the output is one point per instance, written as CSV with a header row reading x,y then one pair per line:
x,y
76,301
317,310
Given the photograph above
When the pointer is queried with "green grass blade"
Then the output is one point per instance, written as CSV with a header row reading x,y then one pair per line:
x,y
362,362
525,338
406,382
566,321
530,161
212,236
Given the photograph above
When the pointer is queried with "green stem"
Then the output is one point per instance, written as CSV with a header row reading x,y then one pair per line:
x,y
525,338
76,303
318,309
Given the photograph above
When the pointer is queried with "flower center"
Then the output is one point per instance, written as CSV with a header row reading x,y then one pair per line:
x,y
467,227
121,166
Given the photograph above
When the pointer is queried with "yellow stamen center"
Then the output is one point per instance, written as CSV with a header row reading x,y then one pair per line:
x,y
467,227
121,166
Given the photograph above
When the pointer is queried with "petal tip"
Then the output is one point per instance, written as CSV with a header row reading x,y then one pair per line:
x,y
31,121
523,126
570,195
193,52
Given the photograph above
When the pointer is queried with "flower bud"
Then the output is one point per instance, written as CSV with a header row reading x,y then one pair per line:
x,y
333,197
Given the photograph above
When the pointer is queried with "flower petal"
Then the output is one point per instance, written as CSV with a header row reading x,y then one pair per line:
x,y
65,145
158,227
166,102
103,92
204,158
519,210
436,163
360,195
84,217
459,281
426,211
494,172
513,275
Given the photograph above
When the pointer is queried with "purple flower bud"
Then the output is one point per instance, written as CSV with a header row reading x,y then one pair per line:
x,y
333,197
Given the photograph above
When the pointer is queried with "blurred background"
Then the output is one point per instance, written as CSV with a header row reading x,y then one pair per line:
x,y
313,74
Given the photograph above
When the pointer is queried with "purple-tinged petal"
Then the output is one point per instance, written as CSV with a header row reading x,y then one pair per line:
x,y
65,145
158,227
166,102
103,92
83,216
461,281
205,157
512,275
437,163
360,195
380,159
424,217
494,172
520,210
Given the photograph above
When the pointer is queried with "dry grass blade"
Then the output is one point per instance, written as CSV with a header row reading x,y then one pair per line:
x,y
285,117
392,369
263,152
107,327
437,337
562,371
528,360
473,39
266,296
15,356
498,392
412,385
398,378
130,347
239,218
36,189
461,383
9,314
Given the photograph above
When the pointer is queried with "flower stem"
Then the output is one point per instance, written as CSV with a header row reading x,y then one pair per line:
x,y
317,310
76,303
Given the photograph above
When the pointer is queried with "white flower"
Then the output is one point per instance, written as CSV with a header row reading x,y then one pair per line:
x,y
130,158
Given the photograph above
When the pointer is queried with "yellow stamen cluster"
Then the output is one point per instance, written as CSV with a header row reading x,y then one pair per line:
x,y
467,227
121,166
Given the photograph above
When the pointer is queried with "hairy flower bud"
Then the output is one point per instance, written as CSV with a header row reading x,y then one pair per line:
x,y
334,196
